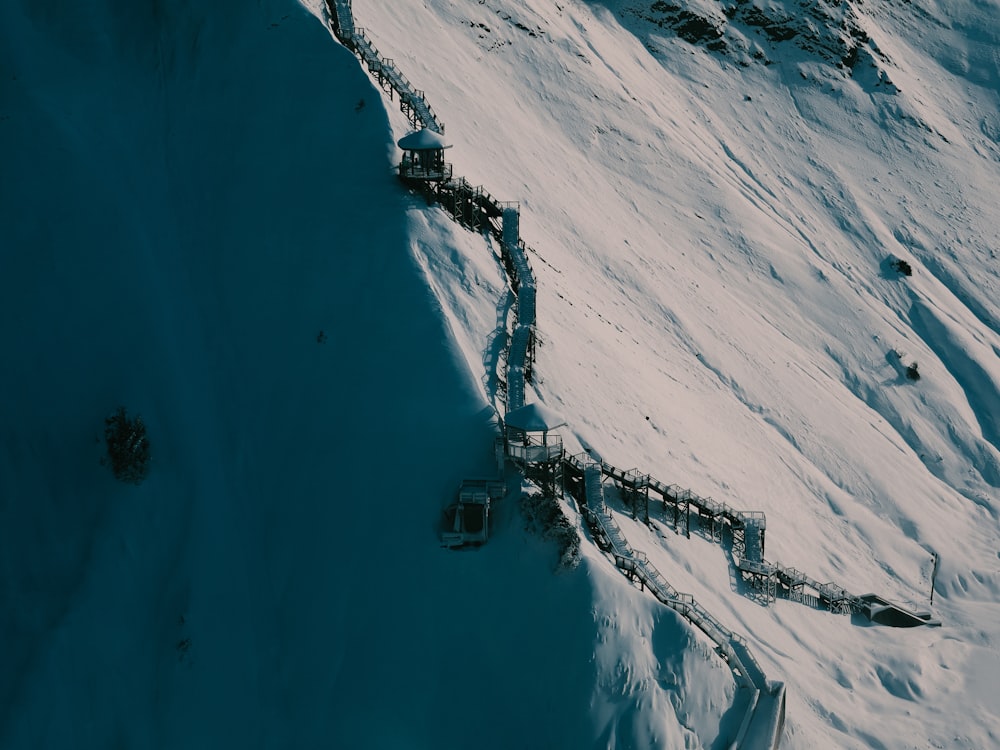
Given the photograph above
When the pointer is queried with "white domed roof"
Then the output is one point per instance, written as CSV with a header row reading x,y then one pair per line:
x,y
423,140
534,417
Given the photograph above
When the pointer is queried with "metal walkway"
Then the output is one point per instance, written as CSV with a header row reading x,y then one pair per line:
x,y
412,101
764,716
471,206
745,531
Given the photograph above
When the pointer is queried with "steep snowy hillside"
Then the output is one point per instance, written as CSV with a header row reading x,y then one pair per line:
x,y
715,217
200,222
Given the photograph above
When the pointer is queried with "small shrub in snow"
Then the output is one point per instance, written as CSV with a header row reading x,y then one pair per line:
x,y
128,446
901,266
544,516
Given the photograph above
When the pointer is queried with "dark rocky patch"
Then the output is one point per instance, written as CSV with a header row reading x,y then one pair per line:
x,y
757,31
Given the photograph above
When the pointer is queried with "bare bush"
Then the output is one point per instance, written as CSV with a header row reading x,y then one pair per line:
x,y
128,446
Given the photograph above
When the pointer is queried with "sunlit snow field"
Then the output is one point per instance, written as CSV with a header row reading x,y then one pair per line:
x,y
712,246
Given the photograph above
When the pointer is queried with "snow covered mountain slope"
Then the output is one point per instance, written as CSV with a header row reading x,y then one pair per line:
x,y
714,236
200,222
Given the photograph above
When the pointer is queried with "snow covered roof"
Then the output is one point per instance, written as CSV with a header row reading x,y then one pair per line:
x,y
422,140
534,417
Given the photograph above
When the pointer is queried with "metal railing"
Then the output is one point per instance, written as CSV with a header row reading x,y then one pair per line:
x,y
412,101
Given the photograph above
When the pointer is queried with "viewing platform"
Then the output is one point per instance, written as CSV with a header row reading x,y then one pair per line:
x,y
423,157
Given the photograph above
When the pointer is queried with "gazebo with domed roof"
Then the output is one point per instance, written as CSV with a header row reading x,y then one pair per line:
x,y
423,157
